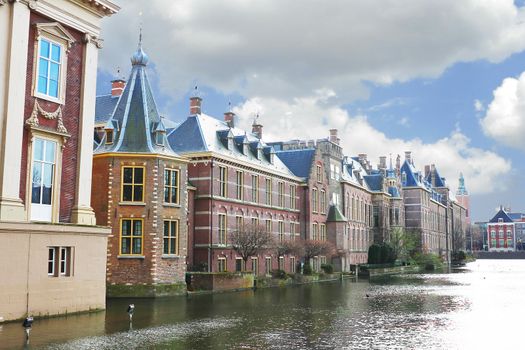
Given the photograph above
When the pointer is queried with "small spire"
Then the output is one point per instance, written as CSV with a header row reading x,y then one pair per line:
x,y
229,105
391,162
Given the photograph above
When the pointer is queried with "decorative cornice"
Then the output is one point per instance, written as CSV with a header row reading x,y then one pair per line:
x,y
98,42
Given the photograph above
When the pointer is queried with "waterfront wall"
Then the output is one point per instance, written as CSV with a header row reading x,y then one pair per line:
x,y
500,255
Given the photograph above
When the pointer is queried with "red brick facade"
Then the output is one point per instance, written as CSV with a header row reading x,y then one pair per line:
x,y
70,116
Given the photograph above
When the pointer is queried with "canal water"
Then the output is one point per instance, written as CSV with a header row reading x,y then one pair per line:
x,y
478,307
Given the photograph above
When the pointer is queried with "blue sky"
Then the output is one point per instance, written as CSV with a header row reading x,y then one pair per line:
x,y
407,82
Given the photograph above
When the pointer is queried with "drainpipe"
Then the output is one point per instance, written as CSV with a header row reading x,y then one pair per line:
x,y
211,217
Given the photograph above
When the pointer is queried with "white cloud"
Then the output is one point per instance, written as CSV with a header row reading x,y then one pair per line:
x,y
404,121
277,48
505,118
309,118
478,106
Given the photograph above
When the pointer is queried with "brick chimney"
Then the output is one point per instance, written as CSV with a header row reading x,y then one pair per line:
x,y
333,136
117,87
195,105
382,162
229,119
427,170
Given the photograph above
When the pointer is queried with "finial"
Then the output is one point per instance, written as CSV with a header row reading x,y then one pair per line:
x,y
195,91
139,57
140,30
229,105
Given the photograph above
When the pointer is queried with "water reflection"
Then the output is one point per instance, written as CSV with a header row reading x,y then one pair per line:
x,y
478,307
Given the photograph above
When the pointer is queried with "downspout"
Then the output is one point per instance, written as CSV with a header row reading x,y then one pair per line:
x,y
211,217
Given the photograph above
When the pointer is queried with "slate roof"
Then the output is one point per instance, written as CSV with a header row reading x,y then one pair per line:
x,y
353,172
104,107
501,214
374,182
413,177
299,161
135,120
334,215
203,133
515,216
439,180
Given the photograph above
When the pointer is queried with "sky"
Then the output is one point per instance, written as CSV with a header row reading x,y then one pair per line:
x,y
441,78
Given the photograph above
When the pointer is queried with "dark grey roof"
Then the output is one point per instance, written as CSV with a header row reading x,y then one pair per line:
x,y
374,182
501,214
299,161
104,107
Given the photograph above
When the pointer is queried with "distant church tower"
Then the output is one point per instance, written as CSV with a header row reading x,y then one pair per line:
x,y
463,197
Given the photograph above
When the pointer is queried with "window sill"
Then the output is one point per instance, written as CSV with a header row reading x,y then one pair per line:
x,y
48,98
143,204
170,256
142,257
171,205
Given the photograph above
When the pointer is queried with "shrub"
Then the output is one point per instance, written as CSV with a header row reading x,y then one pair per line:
x,y
280,274
327,268
459,256
381,254
428,261
307,269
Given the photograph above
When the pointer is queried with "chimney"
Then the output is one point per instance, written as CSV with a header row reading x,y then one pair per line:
x,y
427,170
382,162
257,129
398,163
195,105
333,136
311,144
433,175
228,118
408,156
117,87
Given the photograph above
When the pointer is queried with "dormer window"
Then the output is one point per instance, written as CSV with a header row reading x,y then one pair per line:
x,y
245,148
272,157
259,153
404,178
500,220
230,143
159,139
109,136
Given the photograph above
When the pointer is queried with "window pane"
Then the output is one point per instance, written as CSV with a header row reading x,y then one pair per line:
x,y
174,180
137,229
37,179
50,151
42,85
166,228
127,192
126,244
137,196
44,48
126,227
42,69
138,175
166,194
128,175
53,88
54,70
47,184
137,245
38,149
174,228
166,247
174,196
167,177
55,53
172,245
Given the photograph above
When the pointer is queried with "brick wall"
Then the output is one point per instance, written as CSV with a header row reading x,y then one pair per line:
x,y
70,115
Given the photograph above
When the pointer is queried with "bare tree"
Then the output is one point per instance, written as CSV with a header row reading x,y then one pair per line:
x,y
314,248
289,247
248,240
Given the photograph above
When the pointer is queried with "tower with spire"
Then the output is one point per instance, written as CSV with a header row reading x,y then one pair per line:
x,y
463,197
141,192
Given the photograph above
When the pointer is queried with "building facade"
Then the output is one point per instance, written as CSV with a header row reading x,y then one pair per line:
x,y
501,233
55,261
142,194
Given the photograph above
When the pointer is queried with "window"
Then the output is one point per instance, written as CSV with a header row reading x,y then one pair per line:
x,y
319,172
131,237
315,231
269,225
322,204
43,179
49,68
280,194
239,185
293,193
171,186
255,188
255,222
281,231
239,265
292,230
132,184
281,263
221,264
59,261
335,198
238,223
171,237
501,243
109,136
493,243
268,265
315,197
509,234
268,191
332,171
376,216
292,264
51,262
222,228
255,266
322,232
223,185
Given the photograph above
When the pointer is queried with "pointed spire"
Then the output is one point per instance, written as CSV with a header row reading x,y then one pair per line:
x,y
139,57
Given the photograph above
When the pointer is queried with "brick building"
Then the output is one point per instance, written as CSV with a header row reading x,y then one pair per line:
x,y
142,193
54,260
501,232
238,180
